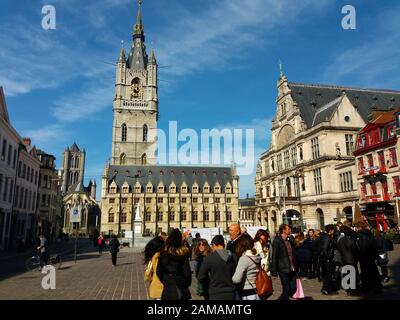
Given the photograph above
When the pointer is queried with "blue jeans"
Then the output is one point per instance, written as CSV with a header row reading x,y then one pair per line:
x,y
288,281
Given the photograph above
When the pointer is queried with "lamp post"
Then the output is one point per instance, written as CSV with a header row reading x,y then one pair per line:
x,y
295,219
298,175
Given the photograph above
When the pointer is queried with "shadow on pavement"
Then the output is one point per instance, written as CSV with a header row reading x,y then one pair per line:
x,y
15,265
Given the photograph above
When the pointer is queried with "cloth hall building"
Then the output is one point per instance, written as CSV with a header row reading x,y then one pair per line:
x,y
165,196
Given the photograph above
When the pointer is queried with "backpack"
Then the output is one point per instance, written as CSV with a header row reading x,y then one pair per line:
x,y
263,282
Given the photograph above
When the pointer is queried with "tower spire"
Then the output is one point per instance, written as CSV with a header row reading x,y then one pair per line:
x,y
281,68
139,29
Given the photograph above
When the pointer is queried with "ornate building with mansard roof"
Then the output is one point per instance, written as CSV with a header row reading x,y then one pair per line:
x,y
307,177
164,196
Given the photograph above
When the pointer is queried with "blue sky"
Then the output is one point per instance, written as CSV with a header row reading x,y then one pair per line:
x,y
218,58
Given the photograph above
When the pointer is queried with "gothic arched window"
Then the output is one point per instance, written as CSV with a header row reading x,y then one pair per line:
x,y
76,177
124,132
145,132
77,162
110,216
122,159
144,159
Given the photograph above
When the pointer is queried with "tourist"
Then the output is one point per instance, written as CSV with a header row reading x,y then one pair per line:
x,y
173,268
326,259
201,251
303,255
283,262
100,244
383,258
261,244
152,253
114,249
370,278
234,234
217,270
247,267
347,246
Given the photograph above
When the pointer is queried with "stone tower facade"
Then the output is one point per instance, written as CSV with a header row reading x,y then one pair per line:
x,y
135,103
73,167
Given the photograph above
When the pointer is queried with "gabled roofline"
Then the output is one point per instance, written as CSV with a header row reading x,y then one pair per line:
x,y
327,86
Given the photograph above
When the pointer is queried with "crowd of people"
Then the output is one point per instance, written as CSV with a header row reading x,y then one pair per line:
x,y
229,270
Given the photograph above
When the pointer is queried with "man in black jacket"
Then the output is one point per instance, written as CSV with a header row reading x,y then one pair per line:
x,y
326,258
283,262
217,271
347,246
370,278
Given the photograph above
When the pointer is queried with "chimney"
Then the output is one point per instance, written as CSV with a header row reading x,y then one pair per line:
x,y
26,141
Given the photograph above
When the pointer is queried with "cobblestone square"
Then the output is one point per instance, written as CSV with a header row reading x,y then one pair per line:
x,y
94,278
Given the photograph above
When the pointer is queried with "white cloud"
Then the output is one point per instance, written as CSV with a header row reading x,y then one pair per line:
x,y
51,137
224,35
373,62
84,104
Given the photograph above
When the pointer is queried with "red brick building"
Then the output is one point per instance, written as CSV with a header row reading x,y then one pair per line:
x,y
377,160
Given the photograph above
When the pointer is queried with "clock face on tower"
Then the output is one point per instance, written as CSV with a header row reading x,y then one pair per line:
x,y
136,89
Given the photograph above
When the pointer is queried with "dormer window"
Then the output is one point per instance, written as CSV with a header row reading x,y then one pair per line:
x,y
149,189
125,189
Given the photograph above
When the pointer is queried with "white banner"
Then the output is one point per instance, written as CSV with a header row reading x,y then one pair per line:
x,y
205,233
253,230
75,216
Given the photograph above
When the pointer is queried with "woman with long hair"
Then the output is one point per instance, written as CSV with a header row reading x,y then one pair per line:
x,y
262,244
152,253
303,255
247,268
173,268
201,250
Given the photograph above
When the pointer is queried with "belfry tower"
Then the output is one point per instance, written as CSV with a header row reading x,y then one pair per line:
x,y
135,103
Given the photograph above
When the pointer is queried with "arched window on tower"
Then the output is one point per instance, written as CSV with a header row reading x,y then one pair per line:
x,y
124,132
122,159
145,132
77,162
76,177
144,159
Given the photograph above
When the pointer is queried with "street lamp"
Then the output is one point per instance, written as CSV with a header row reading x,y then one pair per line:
x,y
295,219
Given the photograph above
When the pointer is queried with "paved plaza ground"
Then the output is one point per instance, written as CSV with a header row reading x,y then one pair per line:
x,y
94,278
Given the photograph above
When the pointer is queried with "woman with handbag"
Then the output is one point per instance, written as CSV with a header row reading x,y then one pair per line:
x,y
152,253
261,244
247,268
383,258
173,268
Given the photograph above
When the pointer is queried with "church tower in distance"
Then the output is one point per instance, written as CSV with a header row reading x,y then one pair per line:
x,y
135,103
